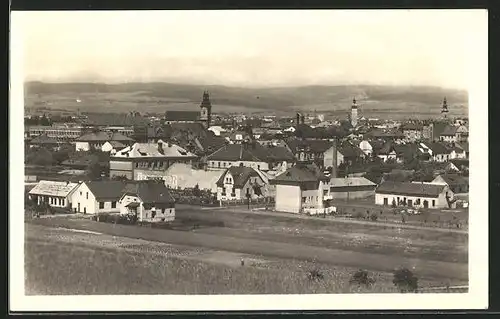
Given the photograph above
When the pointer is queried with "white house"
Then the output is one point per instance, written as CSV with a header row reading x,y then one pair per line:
x,y
240,182
149,201
55,194
302,189
94,197
112,146
366,147
417,195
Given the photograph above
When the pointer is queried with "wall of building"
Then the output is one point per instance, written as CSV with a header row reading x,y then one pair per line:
x,y
288,198
82,146
352,192
127,199
328,158
85,198
439,202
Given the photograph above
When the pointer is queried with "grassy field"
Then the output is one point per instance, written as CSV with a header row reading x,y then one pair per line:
x,y
61,262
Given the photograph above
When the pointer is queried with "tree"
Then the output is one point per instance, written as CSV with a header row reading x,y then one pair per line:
x,y
94,170
393,204
41,156
361,277
196,190
120,178
405,280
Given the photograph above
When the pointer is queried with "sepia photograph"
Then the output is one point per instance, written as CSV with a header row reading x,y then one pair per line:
x,y
248,160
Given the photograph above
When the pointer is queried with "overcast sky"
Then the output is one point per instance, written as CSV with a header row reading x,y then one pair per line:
x,y
251,48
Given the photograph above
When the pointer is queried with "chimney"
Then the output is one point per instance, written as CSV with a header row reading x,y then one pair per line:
x,y
334,161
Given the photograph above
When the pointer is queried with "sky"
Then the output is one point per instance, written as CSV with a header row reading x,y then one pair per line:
x,y
251,47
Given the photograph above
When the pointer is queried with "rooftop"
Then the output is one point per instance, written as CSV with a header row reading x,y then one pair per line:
x,y
300,174
410,189
240,175
160,149
52,188
350,181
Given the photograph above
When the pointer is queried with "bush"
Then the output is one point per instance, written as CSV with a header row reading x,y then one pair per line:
x,y
405,280
361,277
358,215
315,275
374,217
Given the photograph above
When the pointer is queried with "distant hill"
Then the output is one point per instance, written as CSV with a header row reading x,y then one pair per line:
x,y
321,98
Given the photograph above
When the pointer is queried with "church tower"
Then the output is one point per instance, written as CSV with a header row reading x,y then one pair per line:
x,y
444,109
205,110
354,113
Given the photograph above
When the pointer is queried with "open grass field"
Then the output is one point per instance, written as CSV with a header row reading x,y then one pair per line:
x,y
437,256
59,261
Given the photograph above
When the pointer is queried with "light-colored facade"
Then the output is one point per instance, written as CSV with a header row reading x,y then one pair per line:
x,y
416,200
300,199
366,147
133,204
53,193
229,191
84,201
58,132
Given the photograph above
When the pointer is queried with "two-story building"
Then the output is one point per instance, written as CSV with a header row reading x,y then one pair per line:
x,y
240,182
94,197
251,155
149,201
412,131
302,189
454,133
143,161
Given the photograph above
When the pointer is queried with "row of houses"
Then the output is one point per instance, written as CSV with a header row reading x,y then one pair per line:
x,y
148,200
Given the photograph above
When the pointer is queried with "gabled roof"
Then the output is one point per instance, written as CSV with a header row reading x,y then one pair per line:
x,y
251,152
154,150
349,150
151,192
438,148
438,128
460,162
449,130
52,188
187,177
300,173
315,146
117,145
410,189
106,189
240,175
350,181
454,179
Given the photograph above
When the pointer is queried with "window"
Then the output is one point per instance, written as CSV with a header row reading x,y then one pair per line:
x,y
303,199
113,204
433,203
87,196
101,205
80,193
218,164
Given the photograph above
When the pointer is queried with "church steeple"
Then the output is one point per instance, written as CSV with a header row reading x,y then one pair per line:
x,y
205,110
354,113
444,109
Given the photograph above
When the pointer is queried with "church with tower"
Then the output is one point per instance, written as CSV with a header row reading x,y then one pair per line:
x,y
203,116
353,117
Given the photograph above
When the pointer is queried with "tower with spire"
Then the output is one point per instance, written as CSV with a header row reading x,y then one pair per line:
x,y
444,109
354,113
205,110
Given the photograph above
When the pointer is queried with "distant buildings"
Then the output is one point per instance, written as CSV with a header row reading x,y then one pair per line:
x,y
96,140
143,161
59,132
351,188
